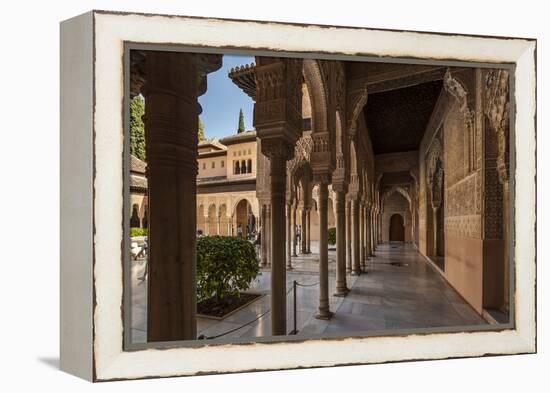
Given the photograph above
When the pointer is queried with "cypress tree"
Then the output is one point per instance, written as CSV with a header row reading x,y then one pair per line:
x,y
241,122
201,130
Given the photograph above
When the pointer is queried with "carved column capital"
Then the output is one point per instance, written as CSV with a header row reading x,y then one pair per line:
x,y
277,150
278,108
322,178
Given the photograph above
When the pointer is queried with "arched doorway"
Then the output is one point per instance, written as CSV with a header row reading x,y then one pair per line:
x,y
245,222
397,228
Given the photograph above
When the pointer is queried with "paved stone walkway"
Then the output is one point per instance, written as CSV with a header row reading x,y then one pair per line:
x,y
399,291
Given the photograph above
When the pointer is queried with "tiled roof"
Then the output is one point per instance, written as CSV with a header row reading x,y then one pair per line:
x,y
245,136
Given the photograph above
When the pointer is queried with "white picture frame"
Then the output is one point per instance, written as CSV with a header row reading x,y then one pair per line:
x,y
92,129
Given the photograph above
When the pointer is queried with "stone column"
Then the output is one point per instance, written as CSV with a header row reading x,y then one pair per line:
x,y
218,225
356,263
288,236
308,221
324,309
171,113
268,233
373,230
379,229
362,233
263,243
278,152
368,219
348,237
294,225
340,203
304,230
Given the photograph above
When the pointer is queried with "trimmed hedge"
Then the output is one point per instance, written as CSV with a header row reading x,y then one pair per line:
x,y
332,236
226,265
134,232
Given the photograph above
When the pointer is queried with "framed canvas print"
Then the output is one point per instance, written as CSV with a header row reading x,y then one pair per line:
x,y
245,195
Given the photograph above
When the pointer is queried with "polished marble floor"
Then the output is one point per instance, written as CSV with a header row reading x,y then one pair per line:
x,y
399,291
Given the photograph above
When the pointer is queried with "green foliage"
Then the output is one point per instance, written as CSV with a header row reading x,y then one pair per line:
x,y
137,128
226,265
332,236
201,130
241,122
138,232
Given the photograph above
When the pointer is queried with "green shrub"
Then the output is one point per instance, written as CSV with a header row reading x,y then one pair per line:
x,y
138,232
226,265
332,236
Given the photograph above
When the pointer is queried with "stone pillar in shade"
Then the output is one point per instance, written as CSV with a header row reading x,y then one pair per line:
x,y
288,236
294,225
348,237
340,203
373,230
268,233
324,308
263,245
305,232
173,83
278,123
362,233
278,152
308,222
356,263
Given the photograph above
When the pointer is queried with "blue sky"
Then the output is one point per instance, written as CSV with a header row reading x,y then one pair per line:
x,y
223,99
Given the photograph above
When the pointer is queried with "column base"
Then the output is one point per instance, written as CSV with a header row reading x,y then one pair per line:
x,y
341,292
294,255
355,273
324,315
289,268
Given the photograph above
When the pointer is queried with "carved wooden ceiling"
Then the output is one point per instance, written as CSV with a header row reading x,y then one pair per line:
x,y
397,119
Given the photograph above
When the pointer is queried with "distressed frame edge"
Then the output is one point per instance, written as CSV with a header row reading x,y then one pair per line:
x,y
76,207
526,341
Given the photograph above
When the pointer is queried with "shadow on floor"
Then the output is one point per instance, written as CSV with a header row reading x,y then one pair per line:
x,y
52,362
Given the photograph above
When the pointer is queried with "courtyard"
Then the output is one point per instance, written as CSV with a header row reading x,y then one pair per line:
x,y
399,291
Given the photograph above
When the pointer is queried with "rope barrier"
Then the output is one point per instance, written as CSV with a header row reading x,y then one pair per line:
x,y
306,285
204,337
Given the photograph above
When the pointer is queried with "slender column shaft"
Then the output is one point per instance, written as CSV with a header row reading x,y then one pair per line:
x,y
278,269
373,231
324,310
379,228
288,236
171,139
294,234
356,263
263,238
304,231
362,233
368,243
348,237
268,233
308,231
340,202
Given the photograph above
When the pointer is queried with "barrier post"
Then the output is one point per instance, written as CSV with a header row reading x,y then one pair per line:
x,y
295,330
